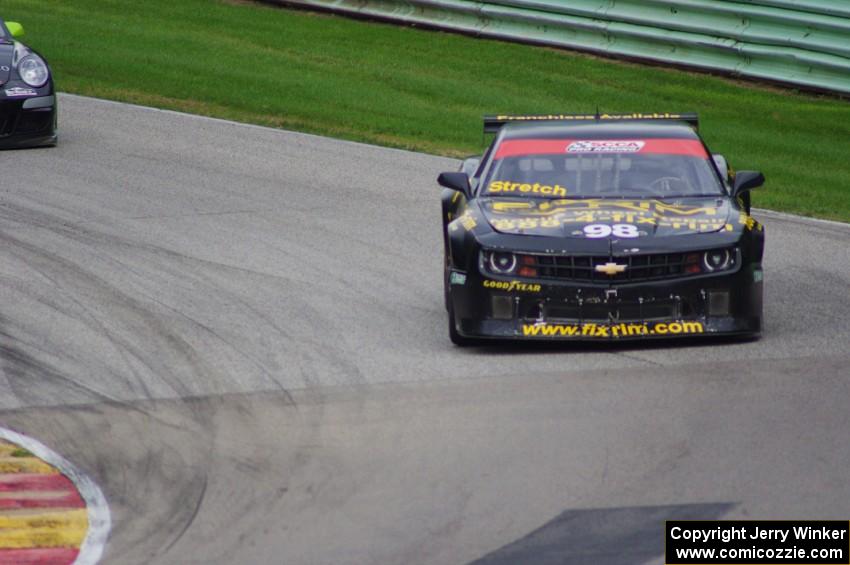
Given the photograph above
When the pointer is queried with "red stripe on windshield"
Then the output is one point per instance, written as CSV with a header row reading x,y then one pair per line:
x,y
521,147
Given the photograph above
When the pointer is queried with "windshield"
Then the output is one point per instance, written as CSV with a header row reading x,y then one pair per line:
x,y
621,168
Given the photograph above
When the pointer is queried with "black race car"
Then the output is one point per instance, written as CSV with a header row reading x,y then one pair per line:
x,y
27,100
600,227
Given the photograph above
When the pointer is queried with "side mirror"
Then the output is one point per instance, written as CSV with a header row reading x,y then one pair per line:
x,y
455,181
747,180
16,29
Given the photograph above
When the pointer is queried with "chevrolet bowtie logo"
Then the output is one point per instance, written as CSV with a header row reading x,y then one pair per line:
x,y
610,269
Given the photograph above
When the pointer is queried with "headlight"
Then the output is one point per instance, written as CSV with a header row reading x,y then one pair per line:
x,y
507,263
502,262
716,260
33,71
711,261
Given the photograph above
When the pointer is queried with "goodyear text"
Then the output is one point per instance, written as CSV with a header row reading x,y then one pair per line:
x,y
511,286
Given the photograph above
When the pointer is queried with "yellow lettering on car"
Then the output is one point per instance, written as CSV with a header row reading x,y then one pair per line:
x,y
511,286
468,222
749,222
536,188
594,330
684,210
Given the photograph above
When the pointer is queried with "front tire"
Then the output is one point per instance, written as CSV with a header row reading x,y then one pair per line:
x,y
454,336
446,290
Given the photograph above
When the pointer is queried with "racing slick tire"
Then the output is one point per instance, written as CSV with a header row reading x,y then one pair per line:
x,y
446,297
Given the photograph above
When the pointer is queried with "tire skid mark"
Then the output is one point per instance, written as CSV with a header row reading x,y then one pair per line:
x,y
313,342
136,318
99,327
250,359
20,366
133,312
83,287
32,367
191,519
190,280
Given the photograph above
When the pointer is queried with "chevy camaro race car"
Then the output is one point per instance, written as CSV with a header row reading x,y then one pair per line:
x,y
600,227
27,99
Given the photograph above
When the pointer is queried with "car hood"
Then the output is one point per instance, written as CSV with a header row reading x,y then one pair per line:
x,y
588,218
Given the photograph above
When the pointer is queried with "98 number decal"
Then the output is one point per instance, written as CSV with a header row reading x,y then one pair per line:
x,y
604,230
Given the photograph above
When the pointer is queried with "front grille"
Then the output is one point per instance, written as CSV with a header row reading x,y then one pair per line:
x,y
14,121
656,266
618,311
6,124
32,122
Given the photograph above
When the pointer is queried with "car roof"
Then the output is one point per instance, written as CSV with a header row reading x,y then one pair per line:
x,y
598,130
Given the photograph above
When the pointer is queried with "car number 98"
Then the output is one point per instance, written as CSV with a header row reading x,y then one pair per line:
x,y
604,230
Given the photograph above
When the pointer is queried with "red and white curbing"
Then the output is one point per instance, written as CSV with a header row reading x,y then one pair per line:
x,y
97,510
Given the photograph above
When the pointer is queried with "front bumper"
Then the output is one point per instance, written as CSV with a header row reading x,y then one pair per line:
x,y
28,122
709,305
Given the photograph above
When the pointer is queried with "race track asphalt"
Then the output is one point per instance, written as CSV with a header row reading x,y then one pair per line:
x,y
239,334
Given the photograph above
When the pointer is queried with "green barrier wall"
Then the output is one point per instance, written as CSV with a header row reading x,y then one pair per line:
x,y
801,42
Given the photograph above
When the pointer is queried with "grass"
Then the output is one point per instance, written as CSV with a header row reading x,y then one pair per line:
x,y
415,89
